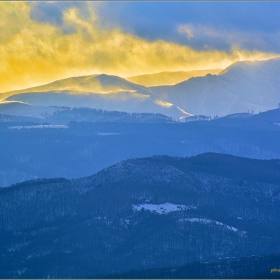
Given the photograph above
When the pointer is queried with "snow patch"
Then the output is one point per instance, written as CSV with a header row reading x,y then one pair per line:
x,y
163,103
161,208
208,221
57,126
107,133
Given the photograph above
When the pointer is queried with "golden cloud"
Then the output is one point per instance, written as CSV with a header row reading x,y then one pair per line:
x,y
33,53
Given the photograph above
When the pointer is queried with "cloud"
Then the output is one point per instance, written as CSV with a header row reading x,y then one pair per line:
x,y
163,103
52,11
186,29
39,50
256,21
216,38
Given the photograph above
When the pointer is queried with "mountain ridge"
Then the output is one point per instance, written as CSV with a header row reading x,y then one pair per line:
x,y
242,87
102,91
245,86
140,222
97,83
169,78
94,139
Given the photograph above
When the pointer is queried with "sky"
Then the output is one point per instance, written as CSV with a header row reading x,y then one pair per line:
x,y
45,41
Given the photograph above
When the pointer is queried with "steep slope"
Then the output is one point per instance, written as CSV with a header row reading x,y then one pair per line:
x,y
242,87
141,214
169,78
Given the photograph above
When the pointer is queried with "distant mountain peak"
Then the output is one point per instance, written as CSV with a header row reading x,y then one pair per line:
x,y
248,64
244,86
169,78
96,83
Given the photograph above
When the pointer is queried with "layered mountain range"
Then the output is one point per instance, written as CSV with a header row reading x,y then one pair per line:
x,y
97,91
164,198
141,214
249,86
79,142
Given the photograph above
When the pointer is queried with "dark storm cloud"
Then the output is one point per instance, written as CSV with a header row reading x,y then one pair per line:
x,y
213,25
251,25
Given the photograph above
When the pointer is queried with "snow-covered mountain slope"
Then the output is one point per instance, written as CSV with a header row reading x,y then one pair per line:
x,y
125,101
242,87
169,78
97,91
16,108
91,83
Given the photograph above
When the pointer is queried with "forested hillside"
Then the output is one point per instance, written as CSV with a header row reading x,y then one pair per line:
x,y
141,214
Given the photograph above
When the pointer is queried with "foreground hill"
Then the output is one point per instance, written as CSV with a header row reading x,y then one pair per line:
x,y
243,86
141,214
